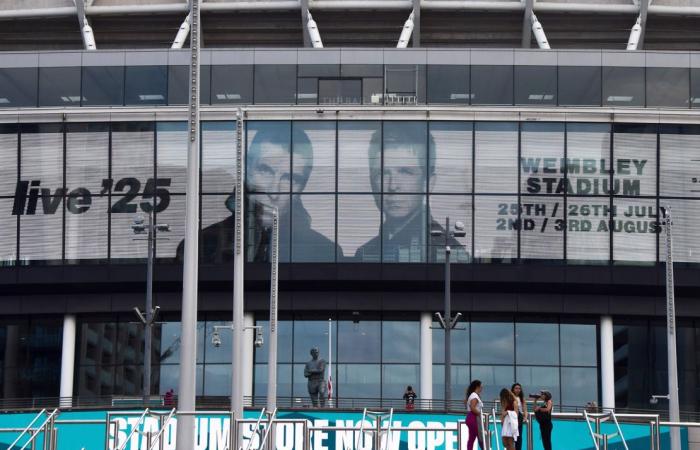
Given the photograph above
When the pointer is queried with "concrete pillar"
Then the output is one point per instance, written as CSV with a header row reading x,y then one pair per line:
x,y
425,391
607,362
248,355
67,360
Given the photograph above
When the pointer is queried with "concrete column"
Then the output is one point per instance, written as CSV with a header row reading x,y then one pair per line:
x,y
425,391
248,355
67,360
607,362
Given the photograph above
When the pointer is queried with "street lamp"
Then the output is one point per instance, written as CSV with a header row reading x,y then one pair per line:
x,y
150,230
448,322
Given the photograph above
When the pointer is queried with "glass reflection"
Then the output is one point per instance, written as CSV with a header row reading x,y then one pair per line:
x,y
395,378
492,343
359,341
578,345
537,343
400,342
357,381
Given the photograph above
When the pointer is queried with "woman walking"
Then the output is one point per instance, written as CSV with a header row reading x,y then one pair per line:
x,y
543,414
521,409
474,406
509,419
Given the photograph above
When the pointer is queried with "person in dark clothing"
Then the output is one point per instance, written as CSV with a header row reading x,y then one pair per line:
x,y
410,398
403,180
543,414
269,181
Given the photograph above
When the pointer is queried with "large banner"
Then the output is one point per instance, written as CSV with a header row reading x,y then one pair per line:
x,y
425,432
356,191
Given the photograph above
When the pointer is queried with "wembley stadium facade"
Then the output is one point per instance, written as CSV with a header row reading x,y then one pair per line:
x,y
554,162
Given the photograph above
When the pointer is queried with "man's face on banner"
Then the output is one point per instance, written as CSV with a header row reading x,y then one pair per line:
x,y
404,173
270,175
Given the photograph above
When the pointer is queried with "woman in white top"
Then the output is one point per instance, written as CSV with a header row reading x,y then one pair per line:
x,y
509,419
521,409
474,406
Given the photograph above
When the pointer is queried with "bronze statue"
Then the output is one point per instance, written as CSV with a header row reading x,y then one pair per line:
x,y
314,371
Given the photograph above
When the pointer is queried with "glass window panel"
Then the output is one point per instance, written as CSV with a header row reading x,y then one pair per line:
x,y
535,379
313,228
400,342
146,85
668,86
87,232
217,379
492,85
543,225
319,70
284,341
579,345
169,379
542,153
8,238
460,380
218,157
259,225
459,209
359,342
307,91
680,161
493,343
623,86
171,145
496,153
59,86
95,381
579,386
103,86
358,381
216,237
19,87
362,70
179,85
313,156
129,379
309,334
8,160
450,157
132,155
588,232
340,92
166,342
635,161
232,84
459,338
686,238
404,230
173,216
221,353
359,156
123,245
300,389
372,91
580,86
695,88
493,379
275,83
537,343
87,156
395,378
634,230
269,158
284,381
42,222
358,228
448,84
495,228
403,79
588,152
129,345
535,85
405,157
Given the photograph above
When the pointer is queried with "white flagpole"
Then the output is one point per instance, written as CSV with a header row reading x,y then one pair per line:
x,y
329,381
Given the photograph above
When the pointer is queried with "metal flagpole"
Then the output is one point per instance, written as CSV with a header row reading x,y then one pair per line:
x,y
673,408
188,339
238,280
329,384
